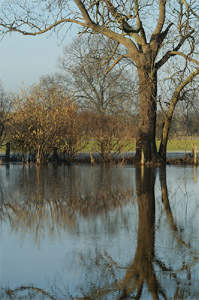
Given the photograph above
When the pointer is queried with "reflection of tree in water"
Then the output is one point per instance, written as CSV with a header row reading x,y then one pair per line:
x,y
147,276
27,184
141,271
43,210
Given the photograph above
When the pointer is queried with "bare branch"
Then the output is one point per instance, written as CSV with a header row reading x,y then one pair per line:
x,y
161,19
123,23
185,56
84,12
112,54
168,54
115,63
178,91
32,288
188,7
139,23
41,31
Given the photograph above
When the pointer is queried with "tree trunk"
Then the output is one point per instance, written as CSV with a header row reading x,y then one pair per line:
x,y
7,152
164,139
55,155
42,156
166,128
145,141
39,155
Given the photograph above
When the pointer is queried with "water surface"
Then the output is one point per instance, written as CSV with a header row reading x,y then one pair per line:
x,y
99,232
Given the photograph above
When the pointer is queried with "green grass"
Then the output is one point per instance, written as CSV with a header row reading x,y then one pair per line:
x,y
178,145
174,145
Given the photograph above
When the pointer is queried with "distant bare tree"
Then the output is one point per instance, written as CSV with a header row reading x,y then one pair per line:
x,y
5,106
83,72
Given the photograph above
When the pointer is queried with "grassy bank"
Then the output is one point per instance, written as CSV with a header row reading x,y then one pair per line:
x,y
177,145
174,145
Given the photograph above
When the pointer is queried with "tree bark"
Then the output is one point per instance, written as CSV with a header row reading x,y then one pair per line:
x,y
145,141
164,139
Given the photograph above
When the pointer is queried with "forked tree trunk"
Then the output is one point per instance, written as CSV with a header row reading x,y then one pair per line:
x,y
145,141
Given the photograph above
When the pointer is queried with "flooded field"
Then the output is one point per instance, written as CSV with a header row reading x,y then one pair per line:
x,y
101,232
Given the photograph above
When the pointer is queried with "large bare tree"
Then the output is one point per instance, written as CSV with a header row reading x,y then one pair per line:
x,y
151,31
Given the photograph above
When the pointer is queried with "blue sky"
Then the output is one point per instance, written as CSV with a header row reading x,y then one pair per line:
x,y
24,59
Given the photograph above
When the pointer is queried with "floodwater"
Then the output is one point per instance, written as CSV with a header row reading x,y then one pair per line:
x,y
83,232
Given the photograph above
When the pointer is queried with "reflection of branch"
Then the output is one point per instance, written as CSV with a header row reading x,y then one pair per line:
x,y
165,200
22,288
139,290
111,261
1,194
59,214
162,266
